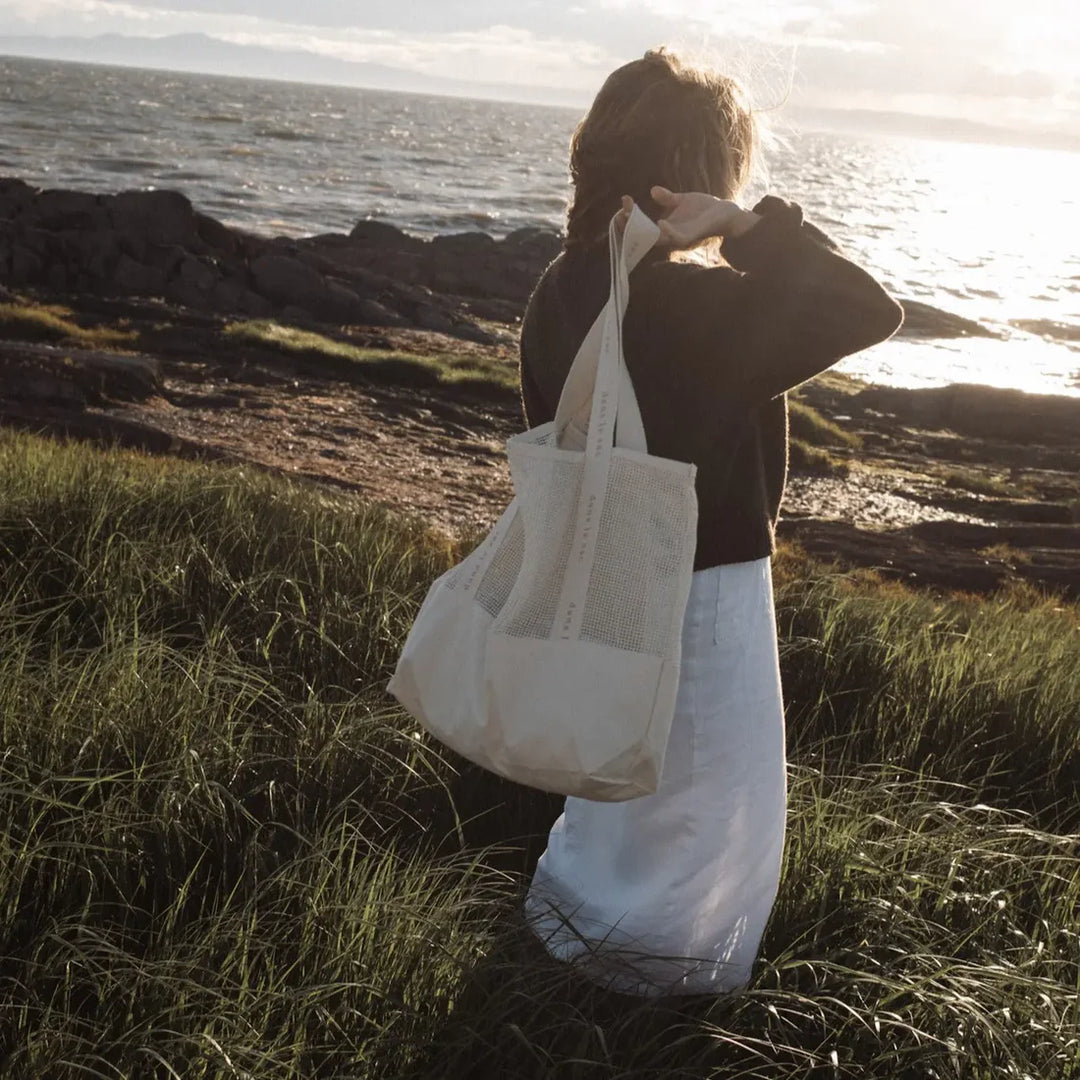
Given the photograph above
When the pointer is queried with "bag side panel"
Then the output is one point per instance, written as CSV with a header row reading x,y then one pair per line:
x,y
578,717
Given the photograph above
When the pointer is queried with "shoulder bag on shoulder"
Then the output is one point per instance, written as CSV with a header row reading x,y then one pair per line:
x,y
551,654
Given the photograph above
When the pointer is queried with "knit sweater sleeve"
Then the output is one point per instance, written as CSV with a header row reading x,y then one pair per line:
x,y
788,306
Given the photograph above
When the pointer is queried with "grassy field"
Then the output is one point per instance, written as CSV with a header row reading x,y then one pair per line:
x,y
225,853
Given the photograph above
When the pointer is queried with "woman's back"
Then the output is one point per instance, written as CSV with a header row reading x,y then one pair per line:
x,y
711,351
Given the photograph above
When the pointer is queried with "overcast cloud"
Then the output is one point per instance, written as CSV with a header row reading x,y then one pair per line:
x,y
992,61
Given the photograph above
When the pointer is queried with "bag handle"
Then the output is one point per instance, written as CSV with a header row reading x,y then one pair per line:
x,y
626,249
613,399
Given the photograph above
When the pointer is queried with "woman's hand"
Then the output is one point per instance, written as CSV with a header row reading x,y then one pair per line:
x,y
688,217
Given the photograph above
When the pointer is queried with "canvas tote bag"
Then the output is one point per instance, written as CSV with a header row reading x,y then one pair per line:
x,y
551,654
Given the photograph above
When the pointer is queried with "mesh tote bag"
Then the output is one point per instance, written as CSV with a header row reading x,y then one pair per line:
x,y
551,654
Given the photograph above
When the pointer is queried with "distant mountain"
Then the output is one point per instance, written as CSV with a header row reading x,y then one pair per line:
x,y
875,121
202,54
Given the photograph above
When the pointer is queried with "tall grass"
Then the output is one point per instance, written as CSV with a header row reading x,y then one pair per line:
x,y
28,321
225,853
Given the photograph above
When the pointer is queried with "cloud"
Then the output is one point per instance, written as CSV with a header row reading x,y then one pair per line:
x,y
822,50
502,53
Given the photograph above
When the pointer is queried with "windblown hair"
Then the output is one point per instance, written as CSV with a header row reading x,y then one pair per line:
x,y
658,120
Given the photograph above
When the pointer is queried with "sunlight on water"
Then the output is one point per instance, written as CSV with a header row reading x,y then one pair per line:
x,y
1024,363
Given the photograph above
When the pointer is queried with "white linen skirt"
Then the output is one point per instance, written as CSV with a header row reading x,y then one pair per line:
x,y
670,893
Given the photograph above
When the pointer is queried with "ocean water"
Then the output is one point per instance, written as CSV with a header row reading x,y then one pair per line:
x,y
987,232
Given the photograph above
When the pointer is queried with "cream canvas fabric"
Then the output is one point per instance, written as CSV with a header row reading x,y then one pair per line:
x,y
551,654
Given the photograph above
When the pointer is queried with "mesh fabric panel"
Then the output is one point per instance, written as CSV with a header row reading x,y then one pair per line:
x,y
503,571
645,540
647,532
547,489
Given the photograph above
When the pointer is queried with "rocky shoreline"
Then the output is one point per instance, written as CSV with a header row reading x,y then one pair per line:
x,y
134,318
156,244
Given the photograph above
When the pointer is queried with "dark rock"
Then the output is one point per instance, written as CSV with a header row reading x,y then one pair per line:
x,y
341,295
925,320
1050,329
380,234
26,266
61,210
947,555
1034,513
506,311
154,243
983,411
160,217
198,274
133,245
56,277
286,280
129,276
15,195
463,245
233,296
429,317
373,313
94,252
166,257
540,244
967,535
216,235
251,303
72,378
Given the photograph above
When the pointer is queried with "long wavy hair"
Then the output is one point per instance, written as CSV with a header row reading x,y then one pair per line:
x,y
658,120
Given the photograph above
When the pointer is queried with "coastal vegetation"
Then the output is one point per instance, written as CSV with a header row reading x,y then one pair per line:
x,y
225,852
28,320
476,373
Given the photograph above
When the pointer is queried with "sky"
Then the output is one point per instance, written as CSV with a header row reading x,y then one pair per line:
x,y
1006,64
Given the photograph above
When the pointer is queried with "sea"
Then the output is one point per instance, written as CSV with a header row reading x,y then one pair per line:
x,y
988,232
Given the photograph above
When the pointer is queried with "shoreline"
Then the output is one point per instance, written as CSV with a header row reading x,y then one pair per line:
x,y
157,242
388,368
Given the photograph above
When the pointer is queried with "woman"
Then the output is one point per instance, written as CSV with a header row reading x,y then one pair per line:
x,y
671,893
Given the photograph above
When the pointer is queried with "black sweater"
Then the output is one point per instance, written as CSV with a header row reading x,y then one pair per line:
x,y
711,351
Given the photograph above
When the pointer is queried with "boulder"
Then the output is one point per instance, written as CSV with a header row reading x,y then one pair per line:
x,y
27,265
540,245
198,273
286,280
339,302
61,210
985,412
73,378
215,235
127,275
463,245
382,235
93,251
166,257
15,195
373,313
57,278
429,317
159,217
925,320
232,296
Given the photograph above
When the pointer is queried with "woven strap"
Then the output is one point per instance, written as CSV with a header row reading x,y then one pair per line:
x,y
613,400
575,402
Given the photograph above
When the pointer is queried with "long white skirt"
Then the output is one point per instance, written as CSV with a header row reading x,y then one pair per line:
x,y
669,894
